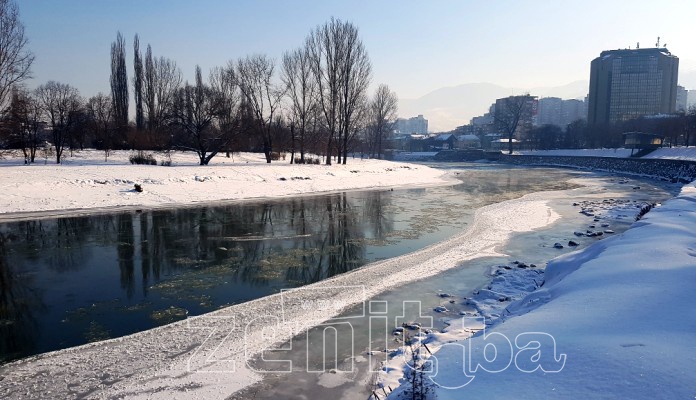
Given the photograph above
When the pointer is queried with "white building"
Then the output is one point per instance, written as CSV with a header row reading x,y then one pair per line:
x,y
414,125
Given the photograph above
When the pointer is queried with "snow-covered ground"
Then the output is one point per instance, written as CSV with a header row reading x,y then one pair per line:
x,y
620,153
674,153
86,181
614,320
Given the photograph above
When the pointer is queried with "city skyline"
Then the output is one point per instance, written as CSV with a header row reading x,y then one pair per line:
x,y
414,49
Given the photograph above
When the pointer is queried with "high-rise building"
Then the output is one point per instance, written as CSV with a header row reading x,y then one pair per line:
x,y
627,84
417,125
691,99
682,104
520,109
550,111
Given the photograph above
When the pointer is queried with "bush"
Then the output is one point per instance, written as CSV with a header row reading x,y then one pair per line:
x,y
166,163
142,159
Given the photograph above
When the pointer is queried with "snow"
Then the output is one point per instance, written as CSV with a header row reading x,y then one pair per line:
x,y
614,320
672,153
86,181
620,153
206,356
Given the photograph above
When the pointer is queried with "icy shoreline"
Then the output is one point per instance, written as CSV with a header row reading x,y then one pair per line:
x,y
604,325
172,360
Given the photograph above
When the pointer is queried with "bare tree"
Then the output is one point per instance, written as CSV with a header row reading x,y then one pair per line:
x,y
100,111
383,109
356,71
162,80
325,47
15,58
301,90
60,104
342,71
195,110
138,85
254,77
227,103
510,113
25,122
119,84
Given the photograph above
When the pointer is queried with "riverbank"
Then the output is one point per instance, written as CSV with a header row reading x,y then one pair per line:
x,y
85,182
614,320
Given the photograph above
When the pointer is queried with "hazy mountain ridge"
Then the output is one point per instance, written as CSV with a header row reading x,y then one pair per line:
x,y
449,107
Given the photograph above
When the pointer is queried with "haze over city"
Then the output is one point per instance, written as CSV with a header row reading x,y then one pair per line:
x,y
520,46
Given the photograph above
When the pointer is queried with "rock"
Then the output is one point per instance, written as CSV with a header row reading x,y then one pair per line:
x,y
444,295
605,225
507,267
440,309
608,231
138,188
592,226
576,233
572,243
411,325
636,187
576,204
557,245
522,265
451,301
532,266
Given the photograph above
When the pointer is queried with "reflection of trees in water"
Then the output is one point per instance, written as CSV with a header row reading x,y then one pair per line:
x,y
19,303
378,221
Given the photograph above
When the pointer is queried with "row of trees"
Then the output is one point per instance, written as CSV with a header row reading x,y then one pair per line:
x,y
314,101
678,130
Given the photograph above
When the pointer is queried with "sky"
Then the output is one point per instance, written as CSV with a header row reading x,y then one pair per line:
x,y
415,46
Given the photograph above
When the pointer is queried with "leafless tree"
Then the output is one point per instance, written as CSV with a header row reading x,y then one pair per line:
x,y
383,112
100,111
254,77
301,90
60,104
356,71
24,122
325,47
119,84
195,110
15,57
510,113
162,80
138,85
342,71
227,103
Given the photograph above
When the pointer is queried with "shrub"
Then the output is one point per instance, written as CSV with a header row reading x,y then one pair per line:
x,y
142,159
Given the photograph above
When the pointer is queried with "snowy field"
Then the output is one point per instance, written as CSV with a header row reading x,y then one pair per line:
x,y
614,320
674,153
86,181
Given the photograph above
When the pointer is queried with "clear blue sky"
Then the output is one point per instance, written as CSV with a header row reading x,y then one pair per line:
x,y
415,46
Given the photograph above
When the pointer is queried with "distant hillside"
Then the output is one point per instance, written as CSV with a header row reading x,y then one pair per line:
x,y
449,107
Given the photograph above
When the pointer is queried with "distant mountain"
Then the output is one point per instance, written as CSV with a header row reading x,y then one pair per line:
x,y
449,107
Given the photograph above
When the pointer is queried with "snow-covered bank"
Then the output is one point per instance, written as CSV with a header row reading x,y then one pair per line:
x,y
616,320
667,153
86,181
169,362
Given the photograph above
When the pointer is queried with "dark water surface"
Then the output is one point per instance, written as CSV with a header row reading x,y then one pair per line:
x,y
68,281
